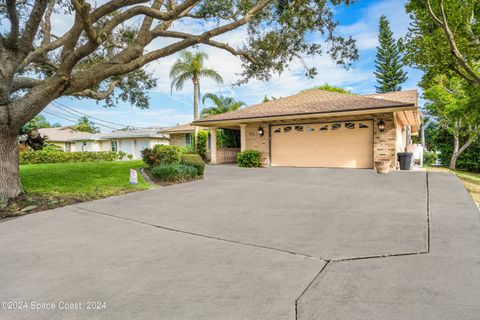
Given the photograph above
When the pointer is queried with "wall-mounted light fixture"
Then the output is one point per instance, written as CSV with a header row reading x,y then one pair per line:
x,y
381,125
260,131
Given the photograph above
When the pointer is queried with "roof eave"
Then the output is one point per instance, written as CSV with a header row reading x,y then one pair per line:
x,y
409,106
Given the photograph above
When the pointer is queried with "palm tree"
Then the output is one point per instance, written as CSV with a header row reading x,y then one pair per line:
x,y
190,66
222,104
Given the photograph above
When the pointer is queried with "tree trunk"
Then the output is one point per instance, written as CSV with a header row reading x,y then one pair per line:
x,y
195,100
10,186
195,110
457,150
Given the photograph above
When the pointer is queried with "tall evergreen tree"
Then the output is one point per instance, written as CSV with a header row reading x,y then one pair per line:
x,y
388,64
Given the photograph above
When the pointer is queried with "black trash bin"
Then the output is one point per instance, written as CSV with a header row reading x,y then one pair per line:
x,y
405,159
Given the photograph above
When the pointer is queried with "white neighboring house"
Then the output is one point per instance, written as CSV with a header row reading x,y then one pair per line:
x,y
64,137
129,141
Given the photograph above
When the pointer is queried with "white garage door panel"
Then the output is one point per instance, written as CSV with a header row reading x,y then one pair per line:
x,y
340,145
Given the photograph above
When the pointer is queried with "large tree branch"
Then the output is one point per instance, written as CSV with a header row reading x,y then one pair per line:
x,y
129,63
25,83
31,27
210,42
97,95
151,12
83,10
14,23
46,25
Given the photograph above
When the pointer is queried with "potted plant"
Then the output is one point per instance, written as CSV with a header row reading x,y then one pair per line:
x,y
382,166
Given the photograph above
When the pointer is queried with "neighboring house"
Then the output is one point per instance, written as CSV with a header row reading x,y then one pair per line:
x,y
129,141
64,137
180,135
318,128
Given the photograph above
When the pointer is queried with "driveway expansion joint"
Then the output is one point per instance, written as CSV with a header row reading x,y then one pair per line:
x,y
203,235
329,261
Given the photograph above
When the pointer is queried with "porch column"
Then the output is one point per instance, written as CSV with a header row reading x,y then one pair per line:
x,y
243,137
213,145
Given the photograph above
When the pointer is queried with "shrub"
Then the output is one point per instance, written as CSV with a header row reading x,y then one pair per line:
x,y
429,158
167,154
52,148
194,160
187,150
161,154
249,159
173,172
121,155
202,141
35,157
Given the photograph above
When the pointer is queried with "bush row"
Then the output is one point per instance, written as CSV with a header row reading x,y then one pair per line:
x,y
36,157
174,172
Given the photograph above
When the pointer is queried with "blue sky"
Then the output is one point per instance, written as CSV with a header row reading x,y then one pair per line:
x,y
359,20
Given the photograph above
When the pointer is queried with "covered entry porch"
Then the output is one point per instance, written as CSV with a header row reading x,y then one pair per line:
x,y
224,144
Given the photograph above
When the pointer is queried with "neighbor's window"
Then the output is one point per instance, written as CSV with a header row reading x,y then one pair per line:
x,y
188,139
114,146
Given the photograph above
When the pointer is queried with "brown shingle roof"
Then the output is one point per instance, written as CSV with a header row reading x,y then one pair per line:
x,y
402,96
181,129
309,102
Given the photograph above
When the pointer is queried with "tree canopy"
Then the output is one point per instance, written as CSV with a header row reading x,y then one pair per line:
x,y
221,104
453,103
444,38
388,62
328,87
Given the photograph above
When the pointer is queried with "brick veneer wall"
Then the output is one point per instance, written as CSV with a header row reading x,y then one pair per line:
x,y
384,142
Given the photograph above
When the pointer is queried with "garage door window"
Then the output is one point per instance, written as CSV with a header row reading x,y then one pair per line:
x,y
350,125
299,128
336,126
287,129
277,130
310,129
325,127
363,126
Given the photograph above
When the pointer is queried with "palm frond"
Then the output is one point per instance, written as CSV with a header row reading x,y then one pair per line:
x,y
212,74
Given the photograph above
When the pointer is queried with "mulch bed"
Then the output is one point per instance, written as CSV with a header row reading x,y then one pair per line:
x,y
26,203
147,175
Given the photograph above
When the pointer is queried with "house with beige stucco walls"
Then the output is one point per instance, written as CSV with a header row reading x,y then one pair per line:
x,y
317,128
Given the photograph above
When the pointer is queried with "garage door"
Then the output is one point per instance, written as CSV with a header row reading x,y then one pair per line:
x,y
336,145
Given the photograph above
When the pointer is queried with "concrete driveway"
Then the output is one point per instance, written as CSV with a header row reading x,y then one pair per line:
x,y
276,243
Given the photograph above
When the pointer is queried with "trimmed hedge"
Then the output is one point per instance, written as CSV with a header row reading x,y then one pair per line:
x,y
249,159
41,156
174,172
194,160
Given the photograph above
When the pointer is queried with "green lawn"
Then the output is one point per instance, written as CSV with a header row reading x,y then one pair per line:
x,y
87,180
471,180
